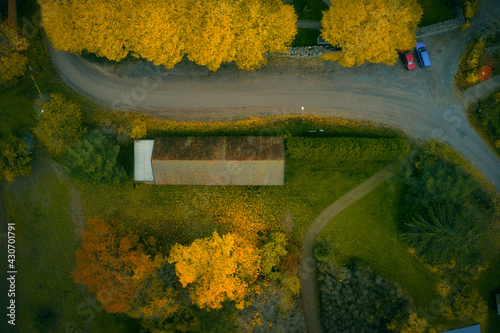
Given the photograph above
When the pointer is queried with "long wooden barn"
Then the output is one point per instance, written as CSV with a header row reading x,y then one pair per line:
x,y
210,161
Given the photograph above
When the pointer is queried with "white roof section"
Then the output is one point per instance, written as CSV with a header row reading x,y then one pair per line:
x,y
143,170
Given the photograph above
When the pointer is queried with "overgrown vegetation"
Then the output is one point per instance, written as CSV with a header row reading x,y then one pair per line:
x,y
13,60
48,298
60,125
15,159
481,52
484,117
355,299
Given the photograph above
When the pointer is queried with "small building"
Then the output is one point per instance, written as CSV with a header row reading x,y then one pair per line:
x,y
468,329
210,161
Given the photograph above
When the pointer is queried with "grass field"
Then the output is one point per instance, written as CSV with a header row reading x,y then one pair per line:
x,y
183,213
48,298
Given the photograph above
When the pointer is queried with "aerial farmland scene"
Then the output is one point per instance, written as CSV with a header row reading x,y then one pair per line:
x,y
288,166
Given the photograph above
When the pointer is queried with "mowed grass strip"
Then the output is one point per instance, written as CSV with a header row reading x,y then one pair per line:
x,y
48,298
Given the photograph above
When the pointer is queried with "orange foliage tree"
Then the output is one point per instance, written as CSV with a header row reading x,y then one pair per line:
x,y
217,269
111,264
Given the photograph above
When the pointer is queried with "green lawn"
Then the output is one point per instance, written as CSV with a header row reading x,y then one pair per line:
x,y
436,11
48,298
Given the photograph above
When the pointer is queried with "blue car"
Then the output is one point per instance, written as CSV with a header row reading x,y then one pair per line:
x,y
422,55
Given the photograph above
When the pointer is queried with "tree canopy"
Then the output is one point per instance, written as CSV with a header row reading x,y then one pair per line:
x,y
112,264
216,269
95,159
372,30
209,32
12,60
60,124
14,158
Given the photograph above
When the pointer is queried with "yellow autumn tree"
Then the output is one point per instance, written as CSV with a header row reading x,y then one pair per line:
x,y
12,60
372,30
216,269
105,28
159,33
260,27
209,32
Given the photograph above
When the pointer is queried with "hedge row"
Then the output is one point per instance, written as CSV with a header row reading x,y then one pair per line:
x,y
347,149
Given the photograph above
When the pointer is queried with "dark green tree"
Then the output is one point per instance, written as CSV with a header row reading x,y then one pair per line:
x,y
438,181
444,233
95,159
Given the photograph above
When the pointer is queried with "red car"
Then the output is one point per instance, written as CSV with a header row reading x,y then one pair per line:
x,y
409,60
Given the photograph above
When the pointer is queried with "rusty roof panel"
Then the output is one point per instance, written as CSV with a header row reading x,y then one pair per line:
x,y
219,148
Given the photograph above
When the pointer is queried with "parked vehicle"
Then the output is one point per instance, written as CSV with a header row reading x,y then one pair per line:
x,y
408,59
422,55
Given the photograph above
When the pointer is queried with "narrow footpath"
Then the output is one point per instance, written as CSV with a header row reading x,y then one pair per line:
x,y
307,272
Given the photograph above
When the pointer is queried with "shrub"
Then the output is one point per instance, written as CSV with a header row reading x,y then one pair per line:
x,y
272,309
60,124
14,158
466,304
355,299
470,8
346,149
95,159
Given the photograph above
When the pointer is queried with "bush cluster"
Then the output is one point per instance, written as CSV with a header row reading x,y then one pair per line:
x,y
355,299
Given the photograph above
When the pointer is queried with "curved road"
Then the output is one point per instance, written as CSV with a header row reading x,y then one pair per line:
x,y
421,102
